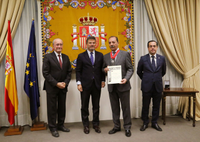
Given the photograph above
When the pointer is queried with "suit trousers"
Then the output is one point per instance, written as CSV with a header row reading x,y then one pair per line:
x,y
156,98
85,98
115,98
56,107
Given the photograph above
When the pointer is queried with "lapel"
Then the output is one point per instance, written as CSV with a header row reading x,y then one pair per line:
x,y
158,61
109,58
87,57
63,61
96,57
149,62
55,59
118,58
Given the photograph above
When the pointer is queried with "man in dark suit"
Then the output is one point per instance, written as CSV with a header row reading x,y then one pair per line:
x,y
57,73
119,92
90,79
151,68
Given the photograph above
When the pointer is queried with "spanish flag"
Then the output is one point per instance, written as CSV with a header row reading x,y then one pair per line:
x,y
11,100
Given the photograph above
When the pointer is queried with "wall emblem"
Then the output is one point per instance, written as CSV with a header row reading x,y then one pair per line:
x,y
88,29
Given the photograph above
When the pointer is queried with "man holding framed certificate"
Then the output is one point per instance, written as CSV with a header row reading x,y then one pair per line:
x,y
118,66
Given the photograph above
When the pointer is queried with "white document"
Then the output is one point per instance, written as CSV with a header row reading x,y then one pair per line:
x,y
114,74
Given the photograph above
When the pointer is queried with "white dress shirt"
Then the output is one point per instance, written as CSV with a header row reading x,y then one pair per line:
x,y
154,59
89,54
115,52
58,57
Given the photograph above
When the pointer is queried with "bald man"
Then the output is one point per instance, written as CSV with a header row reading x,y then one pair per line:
x,y
57,73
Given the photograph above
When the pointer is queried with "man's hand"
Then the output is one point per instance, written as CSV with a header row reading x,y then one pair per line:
x,y
80,87
123,81
106,69
61,85
102,84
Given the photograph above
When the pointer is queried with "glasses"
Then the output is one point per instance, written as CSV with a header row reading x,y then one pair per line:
x,y
152,46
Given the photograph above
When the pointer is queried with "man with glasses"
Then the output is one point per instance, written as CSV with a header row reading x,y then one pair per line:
x,y
151,68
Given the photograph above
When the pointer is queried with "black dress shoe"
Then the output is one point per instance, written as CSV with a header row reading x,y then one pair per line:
x,y
86,130
62,128
143,128
114,131
156,126
55,133
128,133
97,129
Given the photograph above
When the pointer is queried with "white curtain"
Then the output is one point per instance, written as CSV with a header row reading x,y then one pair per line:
x,y
143,33
20,49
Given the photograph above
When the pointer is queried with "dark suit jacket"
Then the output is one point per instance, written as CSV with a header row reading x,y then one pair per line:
x,y
148,76
86,72
123,59
53,73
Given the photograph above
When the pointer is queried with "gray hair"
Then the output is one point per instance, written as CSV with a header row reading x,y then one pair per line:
x,y
55,39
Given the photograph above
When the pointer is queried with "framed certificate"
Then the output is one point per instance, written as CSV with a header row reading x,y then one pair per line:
x,y
114,74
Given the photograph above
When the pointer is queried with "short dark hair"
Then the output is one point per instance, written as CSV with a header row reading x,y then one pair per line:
x,y
115,37
90,37
152,41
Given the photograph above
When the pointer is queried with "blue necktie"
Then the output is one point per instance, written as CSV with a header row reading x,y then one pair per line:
x,y
153,63
91,58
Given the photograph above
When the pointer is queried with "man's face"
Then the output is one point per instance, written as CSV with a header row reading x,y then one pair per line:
x,y
113,44
58,45
152,48
91,45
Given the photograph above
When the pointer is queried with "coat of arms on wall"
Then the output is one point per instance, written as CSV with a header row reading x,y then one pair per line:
x,y
88,29
74,20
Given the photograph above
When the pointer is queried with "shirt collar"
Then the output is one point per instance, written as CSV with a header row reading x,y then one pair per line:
x,y
152,55
116,50
57,53
90,51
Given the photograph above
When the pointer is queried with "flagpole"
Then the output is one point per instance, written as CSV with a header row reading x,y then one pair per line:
x,y
31,86
16,119
38,108
38,115
11,99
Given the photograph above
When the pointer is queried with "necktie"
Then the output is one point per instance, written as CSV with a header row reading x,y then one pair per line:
x,y
91,58
60,61
153,63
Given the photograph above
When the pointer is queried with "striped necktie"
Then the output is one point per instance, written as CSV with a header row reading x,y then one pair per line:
x,y
60,61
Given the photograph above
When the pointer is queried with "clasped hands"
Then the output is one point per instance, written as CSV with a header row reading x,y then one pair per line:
x,y
61,85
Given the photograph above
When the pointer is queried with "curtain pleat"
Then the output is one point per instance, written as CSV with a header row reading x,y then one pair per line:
x,y
9,10
143,33
176,26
